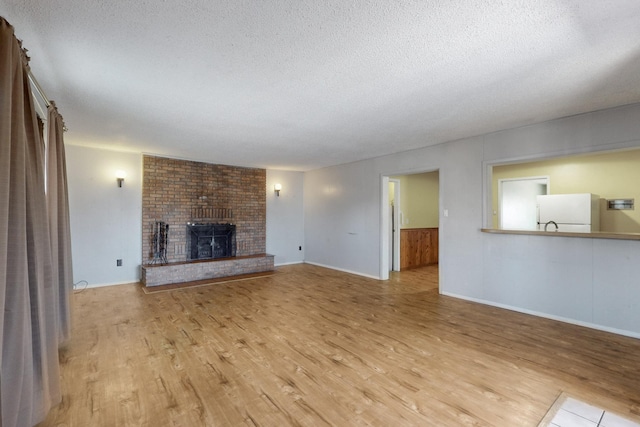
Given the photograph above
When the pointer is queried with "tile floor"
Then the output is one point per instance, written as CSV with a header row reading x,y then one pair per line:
x,y
574,413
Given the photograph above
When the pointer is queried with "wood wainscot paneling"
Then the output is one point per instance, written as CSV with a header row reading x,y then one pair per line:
x,y
418,247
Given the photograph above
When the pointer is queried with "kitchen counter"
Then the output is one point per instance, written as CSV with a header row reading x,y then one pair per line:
x,y
592,235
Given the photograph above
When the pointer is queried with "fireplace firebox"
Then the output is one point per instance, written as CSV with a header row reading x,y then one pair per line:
x,y
209,241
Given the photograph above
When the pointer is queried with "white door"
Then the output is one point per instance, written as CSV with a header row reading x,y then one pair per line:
x,y
517,202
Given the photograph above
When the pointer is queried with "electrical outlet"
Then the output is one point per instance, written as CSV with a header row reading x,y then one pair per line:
x,y
118,263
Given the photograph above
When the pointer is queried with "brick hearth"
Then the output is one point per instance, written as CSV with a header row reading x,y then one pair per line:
x,y
157,274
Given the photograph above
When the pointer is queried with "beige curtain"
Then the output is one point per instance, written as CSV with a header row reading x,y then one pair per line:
x,y
58,205
29,376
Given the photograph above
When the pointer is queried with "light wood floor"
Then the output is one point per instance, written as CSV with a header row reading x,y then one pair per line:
x,y
310,346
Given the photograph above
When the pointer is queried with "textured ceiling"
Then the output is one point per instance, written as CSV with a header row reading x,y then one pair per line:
x,y
301,84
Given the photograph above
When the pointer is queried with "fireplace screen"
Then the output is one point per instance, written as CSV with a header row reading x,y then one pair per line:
x,y
206,241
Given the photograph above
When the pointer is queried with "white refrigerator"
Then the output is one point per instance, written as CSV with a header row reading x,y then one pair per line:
x,y
578,213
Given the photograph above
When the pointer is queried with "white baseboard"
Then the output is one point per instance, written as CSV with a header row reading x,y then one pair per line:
x,y
548,316
81,286
288,263
343,270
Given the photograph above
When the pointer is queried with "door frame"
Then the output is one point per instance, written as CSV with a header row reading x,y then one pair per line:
x,y
385,218
395,256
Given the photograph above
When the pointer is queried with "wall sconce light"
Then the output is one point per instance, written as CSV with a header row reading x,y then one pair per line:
x,y
277,189
120,176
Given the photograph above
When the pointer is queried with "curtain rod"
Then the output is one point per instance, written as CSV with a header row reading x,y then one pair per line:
x,y
43,95
35,84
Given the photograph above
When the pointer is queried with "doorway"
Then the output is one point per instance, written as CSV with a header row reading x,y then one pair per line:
x,y
517,202
410,216
394,229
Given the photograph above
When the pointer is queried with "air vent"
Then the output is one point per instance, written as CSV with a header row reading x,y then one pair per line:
x,y
620,204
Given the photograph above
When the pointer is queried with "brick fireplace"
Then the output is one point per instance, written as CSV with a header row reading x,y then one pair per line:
x,y
180,193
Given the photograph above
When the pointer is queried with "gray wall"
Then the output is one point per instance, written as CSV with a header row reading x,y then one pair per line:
x,y
586,281
285,222
106,220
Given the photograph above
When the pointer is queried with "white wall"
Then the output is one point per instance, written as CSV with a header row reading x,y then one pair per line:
x,y
285,221
581,280
105,219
